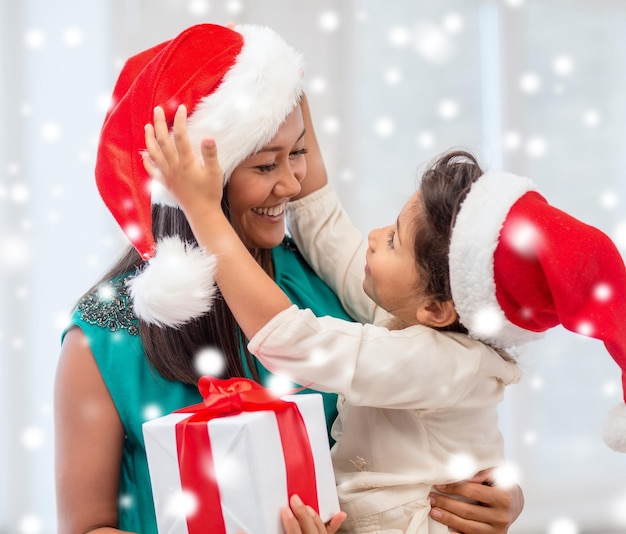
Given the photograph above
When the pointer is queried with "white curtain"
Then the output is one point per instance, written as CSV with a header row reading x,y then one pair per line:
x,y
534,86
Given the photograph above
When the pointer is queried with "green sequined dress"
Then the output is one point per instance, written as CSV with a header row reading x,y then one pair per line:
x,y
140,393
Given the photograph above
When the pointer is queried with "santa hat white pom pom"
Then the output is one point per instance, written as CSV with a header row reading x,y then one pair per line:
x,y
176,286
614,429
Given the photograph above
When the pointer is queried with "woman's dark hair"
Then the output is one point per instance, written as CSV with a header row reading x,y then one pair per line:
x,y
171,350
443,187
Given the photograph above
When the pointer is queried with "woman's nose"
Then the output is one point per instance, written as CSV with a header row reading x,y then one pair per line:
x,y
288,184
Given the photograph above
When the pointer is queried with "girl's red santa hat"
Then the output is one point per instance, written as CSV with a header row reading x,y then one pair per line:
x,y
519,266
239,85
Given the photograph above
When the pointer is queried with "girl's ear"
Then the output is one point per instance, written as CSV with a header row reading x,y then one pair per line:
x,y
437,313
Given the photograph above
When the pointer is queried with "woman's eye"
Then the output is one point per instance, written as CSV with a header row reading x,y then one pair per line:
x,y
299,152
266,168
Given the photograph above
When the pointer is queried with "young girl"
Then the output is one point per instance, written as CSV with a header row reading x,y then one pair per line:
x,y
425,385
395,382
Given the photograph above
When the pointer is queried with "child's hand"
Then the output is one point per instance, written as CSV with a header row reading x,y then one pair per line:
x,y
302,519
197,185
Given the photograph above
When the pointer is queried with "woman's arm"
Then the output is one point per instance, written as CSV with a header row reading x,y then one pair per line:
x,y
325,236
89,440
316,176
492,509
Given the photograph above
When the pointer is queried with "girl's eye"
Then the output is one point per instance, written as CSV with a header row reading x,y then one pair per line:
x,y
390,236
300,152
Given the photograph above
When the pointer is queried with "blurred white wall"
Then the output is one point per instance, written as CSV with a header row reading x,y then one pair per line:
x,y
534,86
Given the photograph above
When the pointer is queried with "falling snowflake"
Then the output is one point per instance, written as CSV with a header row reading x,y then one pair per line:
x,y
512,140
331,125
14,252
51,132
35,39
432,43
329,21
32,438
602,292
524,237
209,361
229,472
448,109
182,504
399,36
30,524
453,23
563,65
536,147
151,411
280,384
618,509
536,382
609,200
384,126
19,193
425,140
393,76
234,7
585,328
461,466
487,321
318,85
73,37
530,82
591,118
563,525
507,476
199,8
126,501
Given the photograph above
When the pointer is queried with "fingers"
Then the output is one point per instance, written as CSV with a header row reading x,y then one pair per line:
x,y
335,522
302,519
483,509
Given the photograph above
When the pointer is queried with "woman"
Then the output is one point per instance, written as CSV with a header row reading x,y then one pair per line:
x,y
126,354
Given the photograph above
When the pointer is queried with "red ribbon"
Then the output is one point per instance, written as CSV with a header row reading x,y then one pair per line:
x,y
197,471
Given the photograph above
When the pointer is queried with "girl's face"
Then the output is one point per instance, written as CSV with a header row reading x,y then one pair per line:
x,y
391,276
260,187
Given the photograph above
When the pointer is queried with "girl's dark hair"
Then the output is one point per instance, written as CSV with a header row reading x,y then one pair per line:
x,y
171,350
443,187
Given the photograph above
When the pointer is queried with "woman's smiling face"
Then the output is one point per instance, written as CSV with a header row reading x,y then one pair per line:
x,y
260,187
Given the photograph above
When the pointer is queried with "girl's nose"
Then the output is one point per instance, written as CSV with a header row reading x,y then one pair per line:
x,y
372,239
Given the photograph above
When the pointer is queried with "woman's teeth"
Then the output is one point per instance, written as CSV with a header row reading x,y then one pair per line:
x,y
271,211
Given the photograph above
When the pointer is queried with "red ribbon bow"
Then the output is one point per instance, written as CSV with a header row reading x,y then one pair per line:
x,y
230,397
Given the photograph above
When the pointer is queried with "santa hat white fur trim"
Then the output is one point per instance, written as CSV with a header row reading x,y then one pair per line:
x,y
473,242
177,284
614,429
267,76
257,93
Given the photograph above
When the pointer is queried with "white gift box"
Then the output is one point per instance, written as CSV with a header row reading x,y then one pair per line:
x,y
249,467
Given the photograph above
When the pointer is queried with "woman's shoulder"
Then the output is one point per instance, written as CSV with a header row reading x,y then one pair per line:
x,y
108,306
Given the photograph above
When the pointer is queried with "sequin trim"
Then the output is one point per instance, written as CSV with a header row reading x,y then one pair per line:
x,y
289,244
109,306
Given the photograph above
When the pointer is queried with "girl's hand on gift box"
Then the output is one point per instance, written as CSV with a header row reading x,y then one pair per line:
x,y
302,519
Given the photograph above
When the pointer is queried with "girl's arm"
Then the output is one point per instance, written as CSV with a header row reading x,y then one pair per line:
x,y
89,440
251,294
325,236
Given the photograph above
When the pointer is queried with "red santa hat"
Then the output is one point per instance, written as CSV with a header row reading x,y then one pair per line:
x,y
239,85
519,266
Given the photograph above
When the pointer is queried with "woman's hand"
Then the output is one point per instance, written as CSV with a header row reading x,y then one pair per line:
x,y
196,184
301,519
491,510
